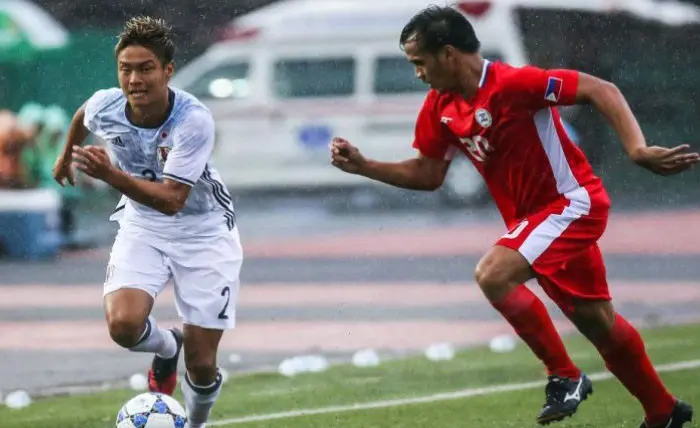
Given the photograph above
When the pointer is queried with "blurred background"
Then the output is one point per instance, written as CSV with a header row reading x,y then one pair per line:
x,y
335,263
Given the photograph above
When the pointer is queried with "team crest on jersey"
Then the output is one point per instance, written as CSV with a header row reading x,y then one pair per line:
x,y
163,154
483,118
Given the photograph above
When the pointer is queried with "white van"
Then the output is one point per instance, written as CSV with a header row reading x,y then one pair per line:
x,y
291,75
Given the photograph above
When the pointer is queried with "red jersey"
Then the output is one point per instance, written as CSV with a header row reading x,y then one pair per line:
x,y
513,134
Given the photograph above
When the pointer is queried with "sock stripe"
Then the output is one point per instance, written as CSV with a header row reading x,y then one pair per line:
x,y
204,390
146,333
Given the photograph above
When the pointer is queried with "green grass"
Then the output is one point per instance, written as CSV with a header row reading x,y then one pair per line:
x,y
247,395
609,407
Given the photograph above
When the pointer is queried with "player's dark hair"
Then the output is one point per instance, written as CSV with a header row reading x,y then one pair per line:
x,y
151,33
437,26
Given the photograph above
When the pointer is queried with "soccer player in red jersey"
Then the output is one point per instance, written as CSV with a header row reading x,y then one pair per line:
x,y
555,208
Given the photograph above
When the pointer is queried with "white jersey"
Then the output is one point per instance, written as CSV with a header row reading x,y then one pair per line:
x,y
180,149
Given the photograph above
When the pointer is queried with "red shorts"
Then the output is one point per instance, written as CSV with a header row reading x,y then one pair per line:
x,y
561,244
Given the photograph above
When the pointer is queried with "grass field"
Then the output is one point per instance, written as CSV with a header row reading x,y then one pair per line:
x,y
361,394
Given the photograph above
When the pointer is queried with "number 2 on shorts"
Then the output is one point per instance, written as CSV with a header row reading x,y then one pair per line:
x,y
225,292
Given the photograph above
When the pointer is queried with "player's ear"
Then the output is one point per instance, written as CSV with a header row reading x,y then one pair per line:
x,y
169,69
448,52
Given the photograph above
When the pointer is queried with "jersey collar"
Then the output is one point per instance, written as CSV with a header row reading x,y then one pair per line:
x,y
171,105
484,71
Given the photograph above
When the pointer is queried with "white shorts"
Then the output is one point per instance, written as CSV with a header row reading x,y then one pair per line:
x,y
204,269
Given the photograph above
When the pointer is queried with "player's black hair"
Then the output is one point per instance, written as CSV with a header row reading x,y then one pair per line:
x,y
151,33
437,26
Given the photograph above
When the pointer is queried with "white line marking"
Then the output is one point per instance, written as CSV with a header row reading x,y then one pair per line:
x,y
471,392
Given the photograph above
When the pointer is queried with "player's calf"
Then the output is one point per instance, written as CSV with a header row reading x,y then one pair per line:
x,y
500,275
202,383
622,348
594,319
200,361
162,376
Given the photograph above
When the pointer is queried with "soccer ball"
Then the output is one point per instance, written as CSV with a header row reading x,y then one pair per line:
x,y
152,410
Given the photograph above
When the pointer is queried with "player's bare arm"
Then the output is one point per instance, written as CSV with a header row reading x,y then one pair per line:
x,y
608,99
167,197
77,133
420,173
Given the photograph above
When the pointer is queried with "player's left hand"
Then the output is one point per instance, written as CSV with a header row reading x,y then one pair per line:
x,y
666,161
93,161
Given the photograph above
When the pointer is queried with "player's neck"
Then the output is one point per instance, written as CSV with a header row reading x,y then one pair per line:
x,y
472,69
150,116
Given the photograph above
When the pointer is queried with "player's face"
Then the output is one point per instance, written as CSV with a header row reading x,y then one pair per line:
x,y
433,69
142,78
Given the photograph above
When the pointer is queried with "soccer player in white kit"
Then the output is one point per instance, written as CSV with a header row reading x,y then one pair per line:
x,y
176,219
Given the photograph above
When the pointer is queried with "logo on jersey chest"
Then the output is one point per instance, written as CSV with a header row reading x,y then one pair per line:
x,y
162,151
117,142
483,118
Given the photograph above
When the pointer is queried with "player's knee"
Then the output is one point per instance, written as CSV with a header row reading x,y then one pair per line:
x,y
125,330
500,271
492,280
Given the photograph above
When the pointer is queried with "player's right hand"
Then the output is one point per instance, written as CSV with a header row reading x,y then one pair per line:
x,y
345,156
62,170
666,161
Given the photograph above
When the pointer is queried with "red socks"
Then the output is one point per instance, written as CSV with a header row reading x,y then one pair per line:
x,y
623,351
529,317
625,356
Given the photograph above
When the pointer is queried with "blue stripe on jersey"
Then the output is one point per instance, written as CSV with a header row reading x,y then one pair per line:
x,y
177,178
218,194
230,220
224,201
222,190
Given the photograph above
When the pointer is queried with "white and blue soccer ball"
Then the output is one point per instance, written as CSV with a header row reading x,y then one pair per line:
x,y
152,410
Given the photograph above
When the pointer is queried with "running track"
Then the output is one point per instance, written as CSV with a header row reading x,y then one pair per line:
x,y
396,289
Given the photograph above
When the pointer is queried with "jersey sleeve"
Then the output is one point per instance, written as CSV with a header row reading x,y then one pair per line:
x,y
193,143
95,104
539,88
431,137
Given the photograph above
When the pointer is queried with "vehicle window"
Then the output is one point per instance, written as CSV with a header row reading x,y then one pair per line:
x,y
393,74
227,80
312,77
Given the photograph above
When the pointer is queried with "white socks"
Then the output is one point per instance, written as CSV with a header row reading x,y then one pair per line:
x,y
157,340
199,400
